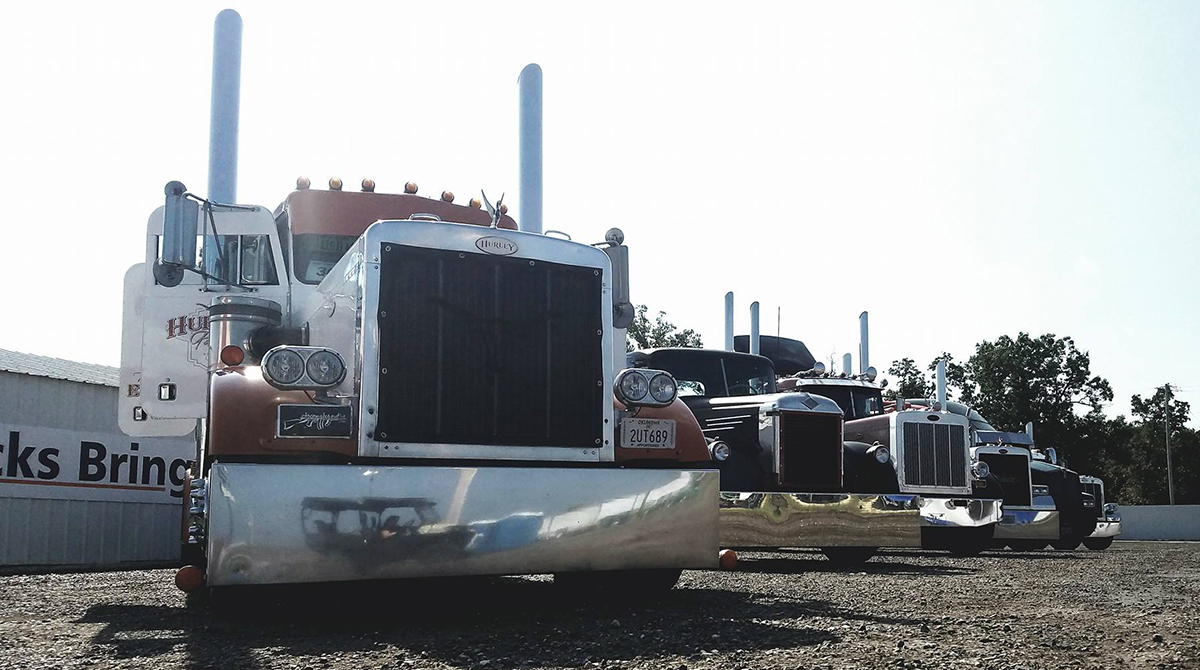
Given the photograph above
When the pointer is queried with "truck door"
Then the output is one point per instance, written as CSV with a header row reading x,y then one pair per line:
x,y
165,358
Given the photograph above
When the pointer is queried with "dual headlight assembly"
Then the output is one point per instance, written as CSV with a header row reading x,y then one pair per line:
x,y
638,387
307,368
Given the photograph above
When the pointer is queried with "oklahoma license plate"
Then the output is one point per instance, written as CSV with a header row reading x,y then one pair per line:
x,y
648,433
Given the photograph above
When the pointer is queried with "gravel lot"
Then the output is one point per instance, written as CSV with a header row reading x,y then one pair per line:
x,y
1133,606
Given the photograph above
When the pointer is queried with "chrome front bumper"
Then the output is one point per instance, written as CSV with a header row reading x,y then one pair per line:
x,y
1027,523
1107,528
271,524
844,519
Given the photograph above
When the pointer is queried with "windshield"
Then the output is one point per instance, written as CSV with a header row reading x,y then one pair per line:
x,y
314,255
716,376
748,376
856,402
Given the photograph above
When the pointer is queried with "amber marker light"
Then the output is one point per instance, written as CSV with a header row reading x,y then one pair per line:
x,y
503,209
410,188
447,196
475,203
232,355
302,183
335,184
368,186
189,578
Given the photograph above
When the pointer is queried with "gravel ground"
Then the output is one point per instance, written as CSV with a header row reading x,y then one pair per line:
x,y
1134,606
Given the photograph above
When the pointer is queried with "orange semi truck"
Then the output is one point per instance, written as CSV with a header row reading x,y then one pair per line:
x,y
389,385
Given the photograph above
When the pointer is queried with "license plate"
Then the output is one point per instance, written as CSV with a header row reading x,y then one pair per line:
x,y
648,433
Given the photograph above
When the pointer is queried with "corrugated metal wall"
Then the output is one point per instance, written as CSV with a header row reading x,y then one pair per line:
x,y
59,520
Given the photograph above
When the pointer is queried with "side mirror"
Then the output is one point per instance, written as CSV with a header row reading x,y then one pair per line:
x,y
180,217
1052,456
618,254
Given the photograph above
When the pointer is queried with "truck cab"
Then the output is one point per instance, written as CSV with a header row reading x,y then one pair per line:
x,y
390,385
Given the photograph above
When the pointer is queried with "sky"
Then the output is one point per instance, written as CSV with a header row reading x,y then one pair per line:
x,y
961,171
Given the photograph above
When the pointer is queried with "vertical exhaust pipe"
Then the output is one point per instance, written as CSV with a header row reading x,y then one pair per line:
x,y
729,321
941,383
1029,429
863,358
754,327
223,116
530,84
846,364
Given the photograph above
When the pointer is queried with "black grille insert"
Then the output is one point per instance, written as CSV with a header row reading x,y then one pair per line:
x,y
482,349
1012,471
810,451
935,454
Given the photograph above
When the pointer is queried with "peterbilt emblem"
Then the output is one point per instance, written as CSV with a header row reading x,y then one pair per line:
x,y
496,245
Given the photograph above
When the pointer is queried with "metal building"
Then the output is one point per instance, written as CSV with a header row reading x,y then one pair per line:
x,y
74,490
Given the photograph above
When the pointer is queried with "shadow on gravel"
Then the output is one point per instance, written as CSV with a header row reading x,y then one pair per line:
x,y
1042,554
791,566
507,622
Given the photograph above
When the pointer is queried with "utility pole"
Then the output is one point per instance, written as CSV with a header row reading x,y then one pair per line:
x,y
1167,434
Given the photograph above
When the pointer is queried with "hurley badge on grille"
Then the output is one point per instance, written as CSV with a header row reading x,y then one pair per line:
x,y
496,245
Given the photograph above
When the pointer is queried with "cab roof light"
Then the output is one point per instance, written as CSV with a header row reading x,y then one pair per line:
x,y
302,183
335,184
368,185
411,188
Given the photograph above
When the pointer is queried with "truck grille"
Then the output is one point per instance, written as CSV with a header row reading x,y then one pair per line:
x,y
1097,491
1012,471
935,454
810,451
482,349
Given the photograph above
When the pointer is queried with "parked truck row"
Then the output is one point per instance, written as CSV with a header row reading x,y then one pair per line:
x,y
389,385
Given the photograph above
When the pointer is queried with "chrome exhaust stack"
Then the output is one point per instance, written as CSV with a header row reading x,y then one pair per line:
x,y
729,321
846,360
754,327
941,384
863,358
223,116
530,84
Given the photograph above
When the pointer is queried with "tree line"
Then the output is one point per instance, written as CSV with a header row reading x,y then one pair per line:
x,y
1046,380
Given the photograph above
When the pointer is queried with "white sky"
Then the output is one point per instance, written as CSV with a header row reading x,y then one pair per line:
x,y
960,170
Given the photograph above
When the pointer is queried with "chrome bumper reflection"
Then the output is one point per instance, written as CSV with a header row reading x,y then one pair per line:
x,y
843,519
1107,528
1024,523
307,523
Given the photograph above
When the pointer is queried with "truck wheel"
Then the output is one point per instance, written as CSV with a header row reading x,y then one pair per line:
x,y
1066,544
618,584
846,556
1028,545
1098,543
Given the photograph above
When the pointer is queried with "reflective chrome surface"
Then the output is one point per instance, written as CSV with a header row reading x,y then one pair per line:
x,y
843,519
1107,528
1028,523
306,523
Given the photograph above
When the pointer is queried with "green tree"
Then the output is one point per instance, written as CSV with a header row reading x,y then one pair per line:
x,y
907,380
642,334
1046,380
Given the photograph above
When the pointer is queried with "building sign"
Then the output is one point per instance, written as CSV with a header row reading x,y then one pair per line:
x,y
40,462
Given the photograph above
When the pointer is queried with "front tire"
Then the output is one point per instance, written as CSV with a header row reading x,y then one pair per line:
x,y
847,556
1098,543
1066,544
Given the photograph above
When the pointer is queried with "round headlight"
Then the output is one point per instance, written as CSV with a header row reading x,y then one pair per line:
x,y
718,450
981,469
882,455
634,386
284,366
662,388
325,368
